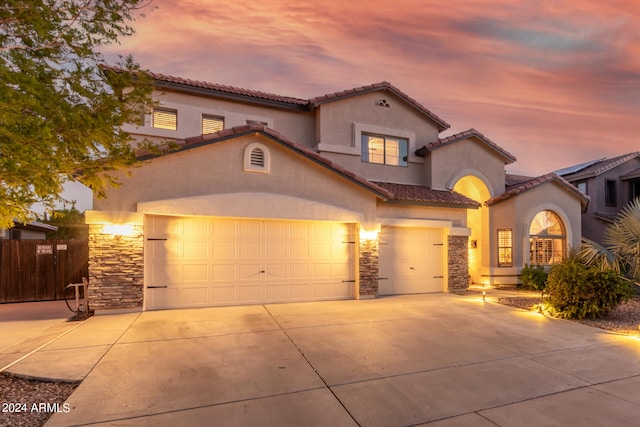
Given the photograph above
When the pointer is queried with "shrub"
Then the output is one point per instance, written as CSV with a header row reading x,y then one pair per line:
x,y
576,291
533,277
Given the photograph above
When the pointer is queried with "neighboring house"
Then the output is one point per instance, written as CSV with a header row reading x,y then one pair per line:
x,y
611,184
33,230
265,198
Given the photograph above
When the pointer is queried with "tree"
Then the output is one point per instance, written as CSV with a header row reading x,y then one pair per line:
x,y
621,249
70,223
61,108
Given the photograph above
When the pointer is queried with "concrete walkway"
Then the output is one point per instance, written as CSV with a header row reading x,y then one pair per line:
x,y
441,360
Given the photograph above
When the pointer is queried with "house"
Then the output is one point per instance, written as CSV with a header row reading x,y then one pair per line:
x,y
33,230
611,184
351,195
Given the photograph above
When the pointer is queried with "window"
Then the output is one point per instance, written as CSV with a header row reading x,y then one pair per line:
x,y
634,189
165,119
582,186
384,150
610,193
212,124
257,122
505,248
257,158
547,239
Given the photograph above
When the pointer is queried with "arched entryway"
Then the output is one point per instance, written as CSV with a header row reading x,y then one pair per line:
x,y
547,239
478,221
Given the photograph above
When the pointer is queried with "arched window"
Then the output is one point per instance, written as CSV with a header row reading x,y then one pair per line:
x,y
256,158
547,239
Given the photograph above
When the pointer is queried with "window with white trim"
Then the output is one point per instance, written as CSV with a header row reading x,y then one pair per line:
x,y
257,158
384,150
212,124
505,248
164,118
547,239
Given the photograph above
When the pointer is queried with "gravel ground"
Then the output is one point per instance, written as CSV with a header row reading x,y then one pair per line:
x,y
30,403
624,319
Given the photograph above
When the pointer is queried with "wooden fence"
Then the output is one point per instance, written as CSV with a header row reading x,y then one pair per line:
x,y
39,270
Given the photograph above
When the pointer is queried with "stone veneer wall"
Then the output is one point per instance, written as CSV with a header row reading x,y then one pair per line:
x,y
116,270
458,263
369,267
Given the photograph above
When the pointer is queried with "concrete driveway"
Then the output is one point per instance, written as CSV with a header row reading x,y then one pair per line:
x,y
442,360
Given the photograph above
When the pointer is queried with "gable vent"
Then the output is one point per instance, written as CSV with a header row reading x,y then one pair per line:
x,y
257,157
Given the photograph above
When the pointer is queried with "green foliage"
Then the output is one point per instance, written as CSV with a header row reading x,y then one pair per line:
x,y
70,223
577,291
533,277
621,249
61,110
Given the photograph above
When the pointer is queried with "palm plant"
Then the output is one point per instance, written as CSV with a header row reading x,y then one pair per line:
x,y
621,249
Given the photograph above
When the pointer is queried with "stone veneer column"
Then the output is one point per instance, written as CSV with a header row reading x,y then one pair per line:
x,y
368,268
458,260
116,269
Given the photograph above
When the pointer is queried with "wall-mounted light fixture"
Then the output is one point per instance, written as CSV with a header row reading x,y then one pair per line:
x,y
119,230
368,234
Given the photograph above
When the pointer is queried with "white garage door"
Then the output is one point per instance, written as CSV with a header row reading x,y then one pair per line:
x,y
199,261
411,260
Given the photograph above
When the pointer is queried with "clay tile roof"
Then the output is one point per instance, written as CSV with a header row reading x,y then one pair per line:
x,y
441,142
425,195
519,187
381,86
227,89
200,140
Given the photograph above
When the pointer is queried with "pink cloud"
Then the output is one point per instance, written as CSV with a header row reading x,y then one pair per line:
x,y
555,83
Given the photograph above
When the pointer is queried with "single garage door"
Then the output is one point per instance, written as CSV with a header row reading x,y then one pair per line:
x,y
201,261
411,260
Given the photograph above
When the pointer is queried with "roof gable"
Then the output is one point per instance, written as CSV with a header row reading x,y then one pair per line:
x,y
519,186
380,87
468,134
255,128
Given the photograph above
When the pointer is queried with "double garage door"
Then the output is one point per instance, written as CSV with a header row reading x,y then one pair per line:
x,y
200,261
411,260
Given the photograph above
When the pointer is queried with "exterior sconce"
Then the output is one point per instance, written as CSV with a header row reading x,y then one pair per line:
x,y
368,235
474,244
119,230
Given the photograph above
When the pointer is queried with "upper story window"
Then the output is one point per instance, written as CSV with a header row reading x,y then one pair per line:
x,y
256,122
582,186
212,124
165,119
384,150
610,193
257,158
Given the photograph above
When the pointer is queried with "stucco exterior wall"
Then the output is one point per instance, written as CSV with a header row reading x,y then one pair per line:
x,y
517,213
340,125
217,169
296,125
447,164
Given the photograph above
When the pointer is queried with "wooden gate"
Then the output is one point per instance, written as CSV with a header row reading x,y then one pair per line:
x,y
39,270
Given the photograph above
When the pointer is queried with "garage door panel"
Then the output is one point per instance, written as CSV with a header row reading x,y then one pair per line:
x,y
411,260
195,272
220,261
223,295
250,294
249,271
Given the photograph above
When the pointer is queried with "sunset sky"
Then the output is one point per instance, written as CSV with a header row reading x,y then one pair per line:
x,y
555,83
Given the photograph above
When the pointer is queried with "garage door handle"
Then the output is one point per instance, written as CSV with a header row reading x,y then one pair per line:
x,y
438,277
383,278
348,281
157,287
